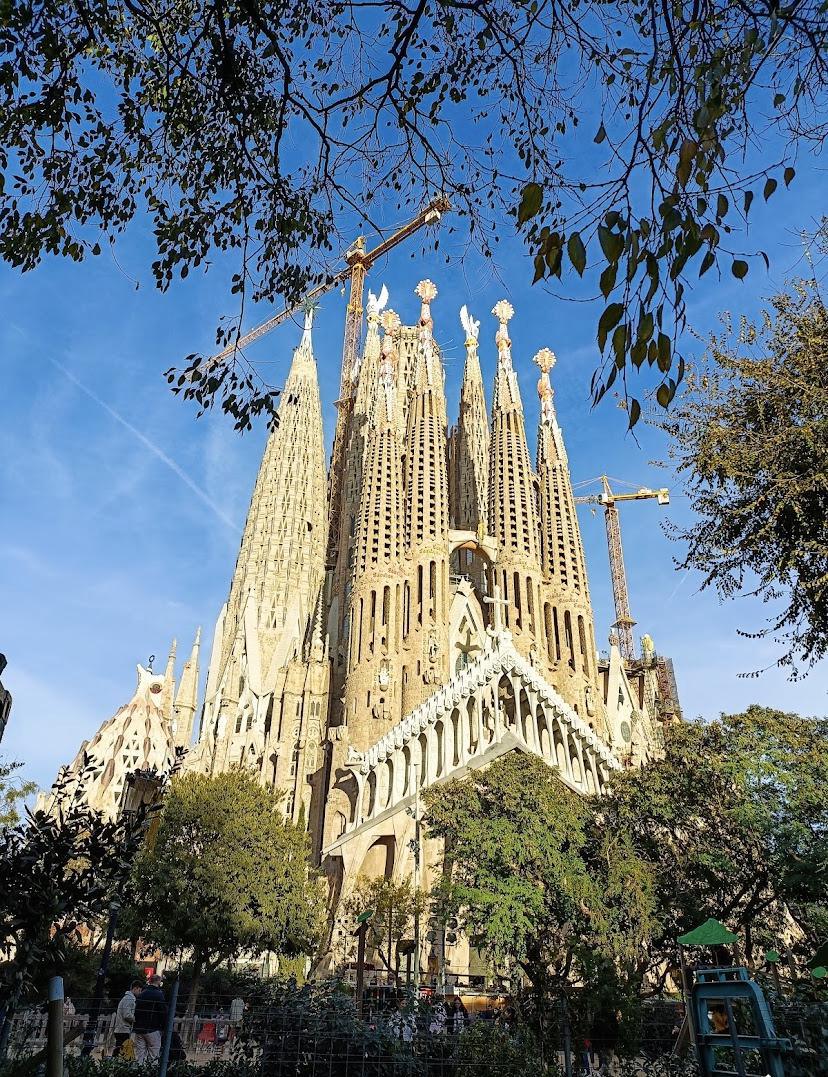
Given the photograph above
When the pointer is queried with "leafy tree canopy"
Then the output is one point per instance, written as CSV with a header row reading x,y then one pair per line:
x,y
394,905
225,873
12,791
750,436
58,870
530,879
734,821
270,137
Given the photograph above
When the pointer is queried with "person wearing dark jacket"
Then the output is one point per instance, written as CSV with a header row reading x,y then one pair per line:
x,y
150,1020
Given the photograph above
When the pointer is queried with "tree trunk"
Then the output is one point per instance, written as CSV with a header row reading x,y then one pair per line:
x,y
195,983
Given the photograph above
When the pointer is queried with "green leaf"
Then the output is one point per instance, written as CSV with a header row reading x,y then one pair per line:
x,y
770,187
788,175
612,244
530,202
722,206
748,201
685,162
577,253
708,260
601,135
739,268
635,413
664,353
663,395
607,282
619,343
609,319
645,326
778,99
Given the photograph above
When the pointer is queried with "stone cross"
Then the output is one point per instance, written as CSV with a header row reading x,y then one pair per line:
x,y
497,601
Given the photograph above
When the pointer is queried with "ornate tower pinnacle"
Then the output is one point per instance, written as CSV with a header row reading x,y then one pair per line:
x,y
471,327
469,448
376,304
545,360
427,291
504,312
390,321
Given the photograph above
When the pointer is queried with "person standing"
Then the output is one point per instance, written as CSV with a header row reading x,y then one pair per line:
x,y
150,1020
236,1011
125,1016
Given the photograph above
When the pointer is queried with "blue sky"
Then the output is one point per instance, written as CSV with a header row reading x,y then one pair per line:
x,y
122,512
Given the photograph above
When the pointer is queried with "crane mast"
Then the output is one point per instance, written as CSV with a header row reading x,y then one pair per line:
x,y
624,621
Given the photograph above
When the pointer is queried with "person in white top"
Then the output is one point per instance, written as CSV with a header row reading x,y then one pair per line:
x,y
125,1016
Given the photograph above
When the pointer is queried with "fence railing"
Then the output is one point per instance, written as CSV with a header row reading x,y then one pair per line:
x,y
395,1040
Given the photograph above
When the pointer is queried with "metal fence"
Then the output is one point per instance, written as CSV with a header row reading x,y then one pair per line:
x,y
323,1035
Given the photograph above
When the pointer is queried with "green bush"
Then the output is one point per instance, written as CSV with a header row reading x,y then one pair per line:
x,y
296,1029
487,1050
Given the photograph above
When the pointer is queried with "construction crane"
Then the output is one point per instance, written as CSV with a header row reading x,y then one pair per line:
x,y
358,262
608,498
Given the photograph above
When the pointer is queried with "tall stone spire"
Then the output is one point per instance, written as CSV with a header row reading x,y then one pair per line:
x,y
362,383
281,564
186,698
562,550
512,515
427,515
471,440
373,698
567,610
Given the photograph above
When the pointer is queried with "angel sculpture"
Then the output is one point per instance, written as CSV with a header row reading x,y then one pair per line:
x,y
469,324
376,304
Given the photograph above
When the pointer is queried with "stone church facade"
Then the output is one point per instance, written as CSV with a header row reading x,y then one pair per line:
x,y
421,611
411,613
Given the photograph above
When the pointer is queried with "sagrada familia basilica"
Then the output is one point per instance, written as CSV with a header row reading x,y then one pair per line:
x,y
404,616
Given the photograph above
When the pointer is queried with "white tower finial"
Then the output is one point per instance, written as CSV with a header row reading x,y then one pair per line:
x,y
376,304
471,326
427,291
545,359
504,312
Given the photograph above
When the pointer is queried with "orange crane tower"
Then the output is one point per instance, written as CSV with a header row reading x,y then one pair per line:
x,y
608,498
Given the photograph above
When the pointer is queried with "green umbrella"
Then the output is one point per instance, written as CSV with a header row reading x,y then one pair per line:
x,y
710,933
820,958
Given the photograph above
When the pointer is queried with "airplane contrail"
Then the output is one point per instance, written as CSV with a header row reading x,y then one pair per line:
x,y
153,448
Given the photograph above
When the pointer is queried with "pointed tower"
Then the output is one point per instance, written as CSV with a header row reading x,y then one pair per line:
x,y
278,577
362,387
512,514
567,610
426,598
186,698
373,699
471,441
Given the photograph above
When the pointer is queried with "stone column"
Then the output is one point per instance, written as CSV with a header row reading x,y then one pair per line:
x,y
564,732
